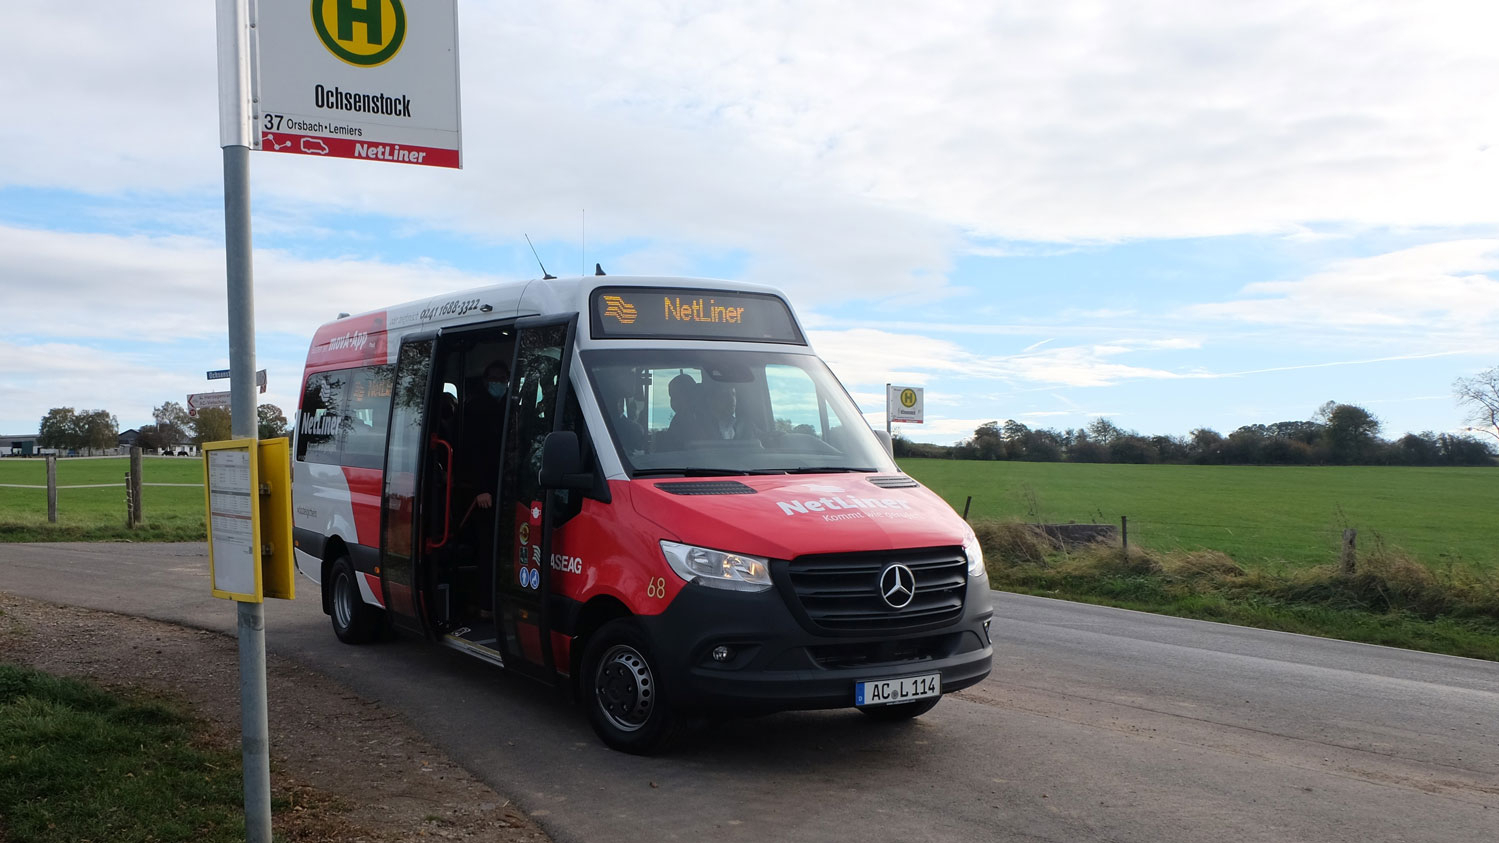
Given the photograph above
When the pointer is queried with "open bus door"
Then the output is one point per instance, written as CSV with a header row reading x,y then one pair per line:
x,y
401,510
523,530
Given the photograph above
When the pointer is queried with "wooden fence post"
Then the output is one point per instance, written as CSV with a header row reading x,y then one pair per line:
x,y
52,488
1349,561
135,486
1124,533
967,504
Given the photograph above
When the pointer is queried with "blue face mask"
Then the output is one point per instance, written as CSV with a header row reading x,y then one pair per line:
x,y
497,390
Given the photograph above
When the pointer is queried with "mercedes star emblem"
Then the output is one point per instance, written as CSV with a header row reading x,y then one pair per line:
x,y
897,586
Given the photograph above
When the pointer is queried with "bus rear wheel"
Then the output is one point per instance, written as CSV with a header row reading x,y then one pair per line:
x,y
354,621
622,689
901,711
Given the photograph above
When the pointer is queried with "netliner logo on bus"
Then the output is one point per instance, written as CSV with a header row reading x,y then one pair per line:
x,y
839,502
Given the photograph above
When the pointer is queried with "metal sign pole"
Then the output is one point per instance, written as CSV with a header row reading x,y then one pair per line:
x,y
235,138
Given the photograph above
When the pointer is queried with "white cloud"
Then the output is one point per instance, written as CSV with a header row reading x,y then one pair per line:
x,y
58,374
841,150
868,356
126,322
1079,121
163,288
839,146
1437,288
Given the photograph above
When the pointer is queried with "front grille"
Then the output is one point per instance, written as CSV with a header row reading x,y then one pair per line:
x,y
895,651
841,591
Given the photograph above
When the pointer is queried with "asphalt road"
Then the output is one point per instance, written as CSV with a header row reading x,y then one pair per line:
x,y
1097,724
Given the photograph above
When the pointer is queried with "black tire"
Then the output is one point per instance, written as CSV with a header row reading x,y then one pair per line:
x,y
901,711
354,621
627,705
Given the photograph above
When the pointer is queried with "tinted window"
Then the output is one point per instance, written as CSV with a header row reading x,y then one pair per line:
x,y
368,413
321,417
697,410
343,417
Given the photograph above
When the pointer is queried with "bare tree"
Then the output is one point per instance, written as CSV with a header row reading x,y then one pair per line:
x,y
1480,395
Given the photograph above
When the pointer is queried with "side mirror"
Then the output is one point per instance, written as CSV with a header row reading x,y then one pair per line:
x,y
887,442
562,462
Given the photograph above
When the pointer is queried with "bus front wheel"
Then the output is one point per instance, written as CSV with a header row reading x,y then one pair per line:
x,y
621,687
354,621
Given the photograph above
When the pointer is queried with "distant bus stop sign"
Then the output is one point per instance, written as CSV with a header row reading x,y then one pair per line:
x,y
905,404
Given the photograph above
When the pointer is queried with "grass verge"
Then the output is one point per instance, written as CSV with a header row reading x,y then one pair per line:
x,y
39,530
1390,599
87,512
78,763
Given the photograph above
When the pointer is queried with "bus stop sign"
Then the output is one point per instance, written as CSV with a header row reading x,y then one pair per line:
x,y
905,404
377,81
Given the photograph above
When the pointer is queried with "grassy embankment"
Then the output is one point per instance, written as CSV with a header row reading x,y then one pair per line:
x,y
77,763
171,513
1257,546
1242,544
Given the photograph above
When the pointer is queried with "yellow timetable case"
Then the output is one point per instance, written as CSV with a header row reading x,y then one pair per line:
x,y
247,510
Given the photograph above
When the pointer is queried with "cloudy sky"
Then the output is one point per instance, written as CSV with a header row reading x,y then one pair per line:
x,y
1174,214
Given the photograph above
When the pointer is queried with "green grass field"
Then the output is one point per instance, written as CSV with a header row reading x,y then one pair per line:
x,y
80,763
171,513
1265,517
1428,562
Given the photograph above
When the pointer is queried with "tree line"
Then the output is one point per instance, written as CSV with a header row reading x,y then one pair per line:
x,y
1339,434
83,431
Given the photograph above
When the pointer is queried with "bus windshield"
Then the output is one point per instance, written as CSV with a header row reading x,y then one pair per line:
x,y
701,412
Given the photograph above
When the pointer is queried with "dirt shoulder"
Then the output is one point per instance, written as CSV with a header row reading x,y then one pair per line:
x,y
348,769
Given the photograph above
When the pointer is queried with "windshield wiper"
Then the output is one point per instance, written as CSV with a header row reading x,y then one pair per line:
x,y
688,472
830,469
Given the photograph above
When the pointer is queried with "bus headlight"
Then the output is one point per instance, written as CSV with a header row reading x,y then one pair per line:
x,y
717,569
975,555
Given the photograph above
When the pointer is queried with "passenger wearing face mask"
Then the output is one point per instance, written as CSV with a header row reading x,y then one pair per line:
x,y
478,461
484,422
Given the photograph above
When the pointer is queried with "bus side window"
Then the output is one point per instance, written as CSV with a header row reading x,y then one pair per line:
x,y
321,419
368,414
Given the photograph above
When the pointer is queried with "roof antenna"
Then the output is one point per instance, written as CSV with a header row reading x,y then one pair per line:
x,y
545,276
598,269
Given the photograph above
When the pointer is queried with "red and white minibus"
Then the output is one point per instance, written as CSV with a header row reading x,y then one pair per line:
x,y
650,488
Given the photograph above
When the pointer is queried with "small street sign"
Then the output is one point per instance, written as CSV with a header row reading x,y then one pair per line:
x,y
223,374
206,400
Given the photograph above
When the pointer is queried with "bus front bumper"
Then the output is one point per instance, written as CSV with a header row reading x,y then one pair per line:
x,y
739,652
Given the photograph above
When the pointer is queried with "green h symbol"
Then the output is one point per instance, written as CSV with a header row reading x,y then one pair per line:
x,y
349,14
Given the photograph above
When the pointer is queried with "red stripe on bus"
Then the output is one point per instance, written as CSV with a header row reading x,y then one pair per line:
x,y
364,497
374,585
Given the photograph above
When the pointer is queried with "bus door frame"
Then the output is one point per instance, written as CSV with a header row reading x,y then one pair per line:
x,y
509,607
418,621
